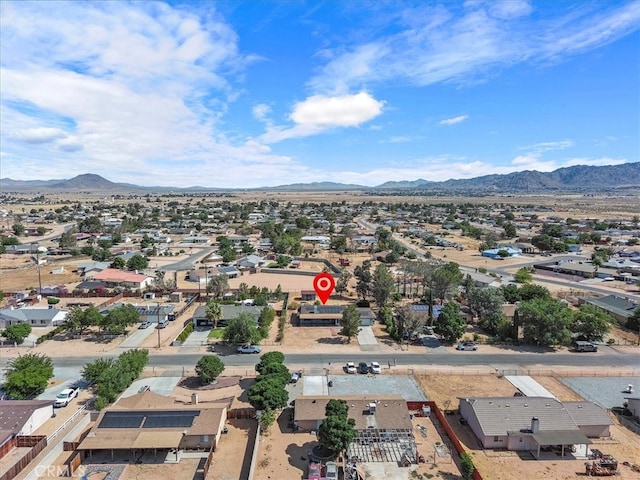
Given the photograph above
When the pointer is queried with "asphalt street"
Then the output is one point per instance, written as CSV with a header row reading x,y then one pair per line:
x,y
607,357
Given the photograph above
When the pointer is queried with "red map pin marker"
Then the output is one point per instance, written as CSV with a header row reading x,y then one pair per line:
x,y
323,284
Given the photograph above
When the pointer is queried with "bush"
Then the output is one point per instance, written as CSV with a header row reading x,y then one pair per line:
x,y
466,466
53,300
184,334
17,332
293,306
611,341
208,368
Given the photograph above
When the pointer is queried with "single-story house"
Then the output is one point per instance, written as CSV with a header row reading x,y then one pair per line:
x,y
382,424
21,417
620,308
495,252
249,262
149,421
228,312
482,280
330,315
633,405
34,316
152,312
112,277
532,423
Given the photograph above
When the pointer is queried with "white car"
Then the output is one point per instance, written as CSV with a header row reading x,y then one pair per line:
x,y
467,346
64,398
375,367
249,349
350,367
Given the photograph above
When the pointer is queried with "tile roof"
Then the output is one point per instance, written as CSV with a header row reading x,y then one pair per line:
x,y
115,275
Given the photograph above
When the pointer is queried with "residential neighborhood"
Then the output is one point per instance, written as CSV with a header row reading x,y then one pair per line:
x,y
413,285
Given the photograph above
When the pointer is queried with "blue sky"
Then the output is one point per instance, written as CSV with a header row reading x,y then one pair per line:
x,y
259,93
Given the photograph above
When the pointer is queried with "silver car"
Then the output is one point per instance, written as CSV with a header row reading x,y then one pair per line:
x,y
467,346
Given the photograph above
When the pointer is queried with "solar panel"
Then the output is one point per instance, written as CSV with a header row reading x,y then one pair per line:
x,y
121,420
168,419
419,308
330,308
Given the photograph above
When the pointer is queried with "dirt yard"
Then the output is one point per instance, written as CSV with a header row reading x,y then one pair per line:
x,y
503,465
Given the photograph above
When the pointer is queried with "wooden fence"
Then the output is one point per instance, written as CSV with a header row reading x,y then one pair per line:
x,y
37,444
417,408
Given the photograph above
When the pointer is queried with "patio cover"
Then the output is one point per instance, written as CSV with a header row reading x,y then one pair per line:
x,y
561,437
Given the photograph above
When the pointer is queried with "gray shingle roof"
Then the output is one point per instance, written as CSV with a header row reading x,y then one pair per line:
x,y
499,415
587,413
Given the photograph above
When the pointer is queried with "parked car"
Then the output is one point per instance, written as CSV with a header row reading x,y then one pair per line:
x,y
315,471
375,368
163,324
144,388
249,349
363,367
144,325
467,346
295,376
581,346
350,367
64,398
331,470
428,330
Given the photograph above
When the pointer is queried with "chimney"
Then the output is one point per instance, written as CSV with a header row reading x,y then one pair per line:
x,y
535,424
194,398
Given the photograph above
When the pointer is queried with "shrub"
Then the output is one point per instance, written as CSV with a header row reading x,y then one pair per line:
x,y
184,334
53,300
466,466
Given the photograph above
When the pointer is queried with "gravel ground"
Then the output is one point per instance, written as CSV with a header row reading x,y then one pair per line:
x,y
606,391
376,385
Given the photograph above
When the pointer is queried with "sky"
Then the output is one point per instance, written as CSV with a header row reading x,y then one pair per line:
x,y
253,93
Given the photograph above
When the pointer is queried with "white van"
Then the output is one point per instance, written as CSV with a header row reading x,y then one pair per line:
x,y
581,346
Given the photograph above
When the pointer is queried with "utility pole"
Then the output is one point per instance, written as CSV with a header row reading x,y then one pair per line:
x,y
158,325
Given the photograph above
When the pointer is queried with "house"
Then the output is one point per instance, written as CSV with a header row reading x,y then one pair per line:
x,y
495,253
34,316
152,312
112,277
249,262
382,423
330,315
21,417
633,405
308,295
483,280
149,421
200,319
620,308
532,423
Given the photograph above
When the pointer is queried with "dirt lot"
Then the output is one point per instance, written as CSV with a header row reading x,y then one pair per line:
x,y
503,465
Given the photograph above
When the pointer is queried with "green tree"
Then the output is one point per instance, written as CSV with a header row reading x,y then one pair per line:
x,y
523,275
268,393
137,262
118,319
208,368
383,285
445,279
79,320
17,332
466,466
268,358
118,263
92,371
408,321
450,324
27,375
18,229
350,322
214,312
266,419
542,242
218,285
241,329
633,322
487,303
68,240
546,321
342,284
337,430
509,230
591,323
363,274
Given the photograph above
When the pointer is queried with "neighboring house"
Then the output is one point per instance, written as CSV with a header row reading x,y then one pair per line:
x,y
89,269
532,423
112,277
495,252
195,240
231,272
330,315
149,421
153,312
228,312
633,405
308,295
483,280
21,417
249,262
618,307
382,423
34,316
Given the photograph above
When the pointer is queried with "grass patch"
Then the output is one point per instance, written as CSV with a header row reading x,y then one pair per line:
x,y
216,333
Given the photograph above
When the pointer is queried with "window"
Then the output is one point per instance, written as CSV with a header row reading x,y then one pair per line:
x,y
43,322
497,439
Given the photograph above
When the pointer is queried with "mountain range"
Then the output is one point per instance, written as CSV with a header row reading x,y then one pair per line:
x,y
580,178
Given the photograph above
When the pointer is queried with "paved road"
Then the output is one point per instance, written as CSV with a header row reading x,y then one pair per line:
x,y
607,357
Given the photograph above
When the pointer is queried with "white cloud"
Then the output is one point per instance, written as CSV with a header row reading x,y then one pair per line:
x,y
40,135
261,112
433,45
453,120
547,146
319,113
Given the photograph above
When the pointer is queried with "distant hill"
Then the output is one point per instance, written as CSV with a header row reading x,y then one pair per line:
x,y
578,178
